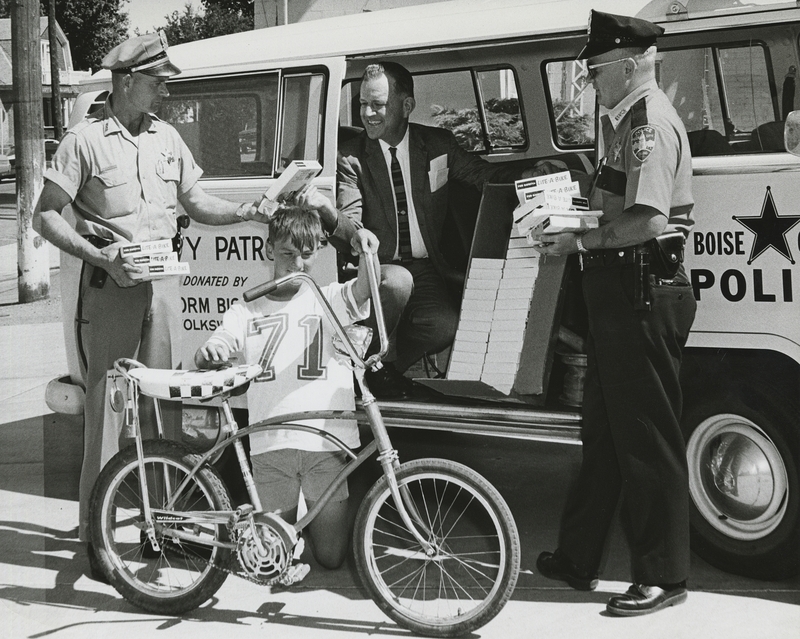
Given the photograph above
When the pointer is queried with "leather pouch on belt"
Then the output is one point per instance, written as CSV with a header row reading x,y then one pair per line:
x,y
666,254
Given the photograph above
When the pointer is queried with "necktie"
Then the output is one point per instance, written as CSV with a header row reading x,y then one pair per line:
x,y
403,229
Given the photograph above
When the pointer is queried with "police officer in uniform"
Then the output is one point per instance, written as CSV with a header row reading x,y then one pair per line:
x,y
124,171
640,309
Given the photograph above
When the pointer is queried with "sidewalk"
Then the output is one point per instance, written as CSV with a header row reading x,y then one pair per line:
x,y
45,593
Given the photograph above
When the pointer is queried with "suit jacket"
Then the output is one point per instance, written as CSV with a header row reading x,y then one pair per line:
x,y
365,191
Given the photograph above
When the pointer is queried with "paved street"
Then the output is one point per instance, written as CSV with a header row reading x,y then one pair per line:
x,y
45,592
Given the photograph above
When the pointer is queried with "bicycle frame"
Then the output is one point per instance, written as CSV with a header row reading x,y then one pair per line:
x,y
387,456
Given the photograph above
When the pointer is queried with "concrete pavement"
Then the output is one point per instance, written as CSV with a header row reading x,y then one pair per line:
x,y
45,593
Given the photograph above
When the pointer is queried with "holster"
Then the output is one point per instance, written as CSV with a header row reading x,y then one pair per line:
x,y
99,275
666,254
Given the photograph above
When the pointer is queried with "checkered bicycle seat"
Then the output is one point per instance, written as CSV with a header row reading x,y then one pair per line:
x,y
178,384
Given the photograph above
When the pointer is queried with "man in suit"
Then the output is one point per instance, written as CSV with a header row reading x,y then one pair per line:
x,y
393,179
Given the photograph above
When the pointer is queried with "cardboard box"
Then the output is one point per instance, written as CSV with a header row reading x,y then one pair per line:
x,y
533,338
565,223
145,248
294,178
157,271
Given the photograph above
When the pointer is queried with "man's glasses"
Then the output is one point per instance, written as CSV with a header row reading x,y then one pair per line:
x,y
591,69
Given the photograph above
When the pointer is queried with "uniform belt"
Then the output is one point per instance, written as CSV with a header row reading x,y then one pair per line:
x,y
97,241
599,258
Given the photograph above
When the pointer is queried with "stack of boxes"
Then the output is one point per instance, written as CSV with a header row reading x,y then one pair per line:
x,y
498,294
156,259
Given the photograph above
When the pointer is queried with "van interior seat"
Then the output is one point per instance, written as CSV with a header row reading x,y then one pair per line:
x,y
348,133
703,142
768,136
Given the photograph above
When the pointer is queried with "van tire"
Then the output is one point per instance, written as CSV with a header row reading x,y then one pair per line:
x,y
742,451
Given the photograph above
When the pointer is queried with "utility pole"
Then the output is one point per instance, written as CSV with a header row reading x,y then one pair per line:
x,y
55,78
33,263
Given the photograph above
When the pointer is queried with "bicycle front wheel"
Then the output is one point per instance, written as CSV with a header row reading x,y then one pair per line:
x,y
473,563
180,576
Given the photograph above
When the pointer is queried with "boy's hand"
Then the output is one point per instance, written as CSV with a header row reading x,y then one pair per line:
x,y
364,241
212,355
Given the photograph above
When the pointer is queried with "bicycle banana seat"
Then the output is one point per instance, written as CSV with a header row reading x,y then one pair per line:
x,y
180,384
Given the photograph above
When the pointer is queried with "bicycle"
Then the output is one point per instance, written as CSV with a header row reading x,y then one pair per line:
x,y
435,544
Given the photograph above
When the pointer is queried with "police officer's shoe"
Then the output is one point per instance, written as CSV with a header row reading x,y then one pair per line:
x,y
642,600
556,565
388,383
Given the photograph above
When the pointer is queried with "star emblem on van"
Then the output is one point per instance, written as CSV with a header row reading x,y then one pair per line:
x,y
770,229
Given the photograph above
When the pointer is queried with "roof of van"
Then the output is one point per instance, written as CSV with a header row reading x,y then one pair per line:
x,y
428,26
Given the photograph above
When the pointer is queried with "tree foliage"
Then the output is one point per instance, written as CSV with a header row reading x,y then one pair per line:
x,y
215,17
502,120
92,27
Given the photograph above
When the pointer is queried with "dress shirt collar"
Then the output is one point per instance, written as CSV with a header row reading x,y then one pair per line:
x,y
618,113
402,148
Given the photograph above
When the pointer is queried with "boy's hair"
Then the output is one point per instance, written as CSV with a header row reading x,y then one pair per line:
x,y
301,227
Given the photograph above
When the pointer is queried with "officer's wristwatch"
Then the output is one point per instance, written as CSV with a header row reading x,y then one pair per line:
x,y
240,211
581,247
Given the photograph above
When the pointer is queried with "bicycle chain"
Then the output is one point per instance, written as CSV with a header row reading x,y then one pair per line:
x,y
242,575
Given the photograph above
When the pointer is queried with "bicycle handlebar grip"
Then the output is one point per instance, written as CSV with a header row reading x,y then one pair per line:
x,y
260,290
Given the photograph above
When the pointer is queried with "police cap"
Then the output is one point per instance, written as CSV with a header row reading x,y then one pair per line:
x,y
143,54
608,32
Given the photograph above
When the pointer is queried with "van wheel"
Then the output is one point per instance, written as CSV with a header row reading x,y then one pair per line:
x,y
743,452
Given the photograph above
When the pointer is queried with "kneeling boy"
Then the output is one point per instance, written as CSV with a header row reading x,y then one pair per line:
x,y
288,334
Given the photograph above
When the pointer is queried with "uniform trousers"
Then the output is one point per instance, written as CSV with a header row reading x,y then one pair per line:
x,y
633,447
420,314
141,322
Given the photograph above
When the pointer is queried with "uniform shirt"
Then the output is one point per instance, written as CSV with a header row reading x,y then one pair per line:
x,y
291,341
124,186
418,250
647,158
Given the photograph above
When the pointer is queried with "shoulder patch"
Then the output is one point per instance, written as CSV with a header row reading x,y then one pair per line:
x,y
643,141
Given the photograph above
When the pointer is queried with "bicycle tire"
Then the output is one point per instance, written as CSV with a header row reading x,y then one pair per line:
x,y
476,564
178,578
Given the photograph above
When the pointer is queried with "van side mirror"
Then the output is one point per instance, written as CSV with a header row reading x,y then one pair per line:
x,y
791,133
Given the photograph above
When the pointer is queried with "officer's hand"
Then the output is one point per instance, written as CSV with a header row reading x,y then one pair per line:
x,y
212,355
364,241
252,214
556,243
117,268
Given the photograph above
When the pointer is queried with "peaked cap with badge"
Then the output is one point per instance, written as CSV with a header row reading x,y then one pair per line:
x,y
143,54
608,32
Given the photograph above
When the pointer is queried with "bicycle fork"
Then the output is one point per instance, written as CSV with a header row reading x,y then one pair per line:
x,y
389,460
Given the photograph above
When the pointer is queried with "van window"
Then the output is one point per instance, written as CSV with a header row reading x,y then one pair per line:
x,y
480,107
572,103
227,123
303,114
725,95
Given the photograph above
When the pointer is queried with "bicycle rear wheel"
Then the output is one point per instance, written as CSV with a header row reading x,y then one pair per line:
x,y
178,578
474,566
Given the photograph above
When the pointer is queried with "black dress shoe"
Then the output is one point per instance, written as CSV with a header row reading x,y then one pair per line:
x,y
642,600
95,569
556,565
388,383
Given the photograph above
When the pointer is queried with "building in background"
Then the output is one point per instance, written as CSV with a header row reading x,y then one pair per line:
x,y
69,79
269,13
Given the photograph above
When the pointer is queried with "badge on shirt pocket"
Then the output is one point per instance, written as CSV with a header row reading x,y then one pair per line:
x,y
168,168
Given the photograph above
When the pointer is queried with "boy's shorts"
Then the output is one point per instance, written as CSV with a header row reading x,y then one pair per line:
x,y
280,474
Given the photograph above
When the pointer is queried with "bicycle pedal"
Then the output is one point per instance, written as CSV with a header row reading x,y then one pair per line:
x,y
294,574
299,547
